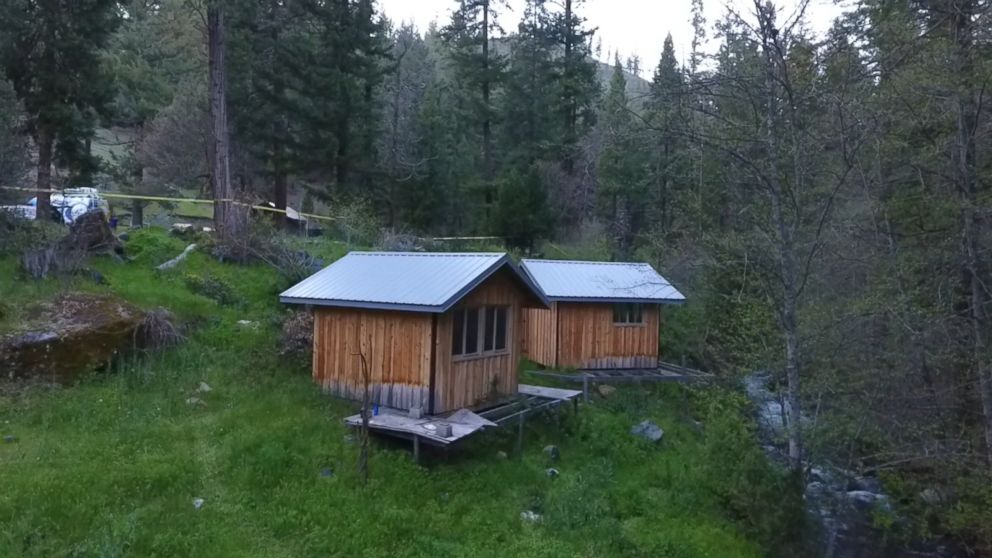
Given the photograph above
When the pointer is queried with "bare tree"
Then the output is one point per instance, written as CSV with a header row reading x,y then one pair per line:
x,y
363,442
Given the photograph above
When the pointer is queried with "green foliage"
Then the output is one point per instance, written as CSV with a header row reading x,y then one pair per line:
x,y
522,215
51,55
212,288
14,150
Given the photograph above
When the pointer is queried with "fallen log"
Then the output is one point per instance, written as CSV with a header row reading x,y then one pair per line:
x,y
175,261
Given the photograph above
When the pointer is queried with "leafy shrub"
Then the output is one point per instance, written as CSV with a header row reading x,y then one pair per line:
x,y
766,500
213,288
18,235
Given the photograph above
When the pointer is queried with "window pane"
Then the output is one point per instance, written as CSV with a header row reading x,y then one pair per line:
x,y
500,328
488,332
457,328
635,313
471,331
618,313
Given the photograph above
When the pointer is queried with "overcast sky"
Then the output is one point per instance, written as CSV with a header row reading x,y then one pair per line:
x,y
630,26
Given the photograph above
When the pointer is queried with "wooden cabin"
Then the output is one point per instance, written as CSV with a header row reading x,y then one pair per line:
x,y
436,331
602,314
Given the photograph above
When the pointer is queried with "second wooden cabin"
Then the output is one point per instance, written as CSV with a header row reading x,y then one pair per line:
x,y
602,314
437,331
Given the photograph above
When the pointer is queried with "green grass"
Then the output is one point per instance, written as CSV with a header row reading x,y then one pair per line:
x,y
110,466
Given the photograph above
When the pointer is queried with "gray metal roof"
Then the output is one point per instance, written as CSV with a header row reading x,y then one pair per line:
x,y
574,281
411,281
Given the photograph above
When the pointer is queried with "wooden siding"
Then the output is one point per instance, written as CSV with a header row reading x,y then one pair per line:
x,y
539,326
397,346
583,335
475,381
588,338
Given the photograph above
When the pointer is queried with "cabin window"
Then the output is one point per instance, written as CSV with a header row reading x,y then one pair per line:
x,y
471,331
628,313
495,339
477,331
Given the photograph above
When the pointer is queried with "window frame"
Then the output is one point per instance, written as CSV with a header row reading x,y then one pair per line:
x,y
486,332
624,312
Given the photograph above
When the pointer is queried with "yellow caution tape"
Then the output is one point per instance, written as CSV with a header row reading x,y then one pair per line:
x,y
167,199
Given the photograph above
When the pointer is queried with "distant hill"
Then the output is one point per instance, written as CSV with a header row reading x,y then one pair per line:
x,y
637,87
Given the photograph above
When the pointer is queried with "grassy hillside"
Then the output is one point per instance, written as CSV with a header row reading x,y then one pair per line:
x,y
111,466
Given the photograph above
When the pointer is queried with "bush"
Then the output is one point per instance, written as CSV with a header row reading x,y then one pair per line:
x,y
297,333
18,235
213,288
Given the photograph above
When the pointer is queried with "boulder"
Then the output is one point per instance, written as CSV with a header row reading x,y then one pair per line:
x,y
606,390
866,501
326,472
552,452
552,472
530,517
68,336
197,503
204,387
648,430
9,439
501,455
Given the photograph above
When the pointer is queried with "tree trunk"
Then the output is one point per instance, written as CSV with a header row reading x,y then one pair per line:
x,y
487,156
785,243
220,170
571,111
45,139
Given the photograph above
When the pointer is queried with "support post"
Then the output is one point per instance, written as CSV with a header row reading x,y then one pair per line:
x,y
416,449
585,387
520,435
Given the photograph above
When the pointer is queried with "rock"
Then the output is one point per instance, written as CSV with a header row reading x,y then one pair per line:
x,y
606,390
552,472
648,430
9,439
124,237
326,473
932,496
196,402
197,503
501,455
247,324
204,387
349,438
530,517
97,277
865,484
68,336
552,452
865,501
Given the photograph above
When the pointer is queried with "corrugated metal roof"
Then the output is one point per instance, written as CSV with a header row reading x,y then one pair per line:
x,y
565,280
413,281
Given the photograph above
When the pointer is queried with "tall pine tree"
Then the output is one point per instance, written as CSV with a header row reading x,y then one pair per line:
x,y
51,55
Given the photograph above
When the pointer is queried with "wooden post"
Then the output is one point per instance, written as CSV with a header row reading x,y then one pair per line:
x,y
416,449
520,435
585,387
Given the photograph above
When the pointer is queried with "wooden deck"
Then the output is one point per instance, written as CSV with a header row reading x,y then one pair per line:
x,y
464,423
665,372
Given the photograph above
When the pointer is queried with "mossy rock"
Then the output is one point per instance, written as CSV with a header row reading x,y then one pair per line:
x,y
69,336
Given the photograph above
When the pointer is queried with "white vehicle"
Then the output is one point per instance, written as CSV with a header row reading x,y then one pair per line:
x,y
67,205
